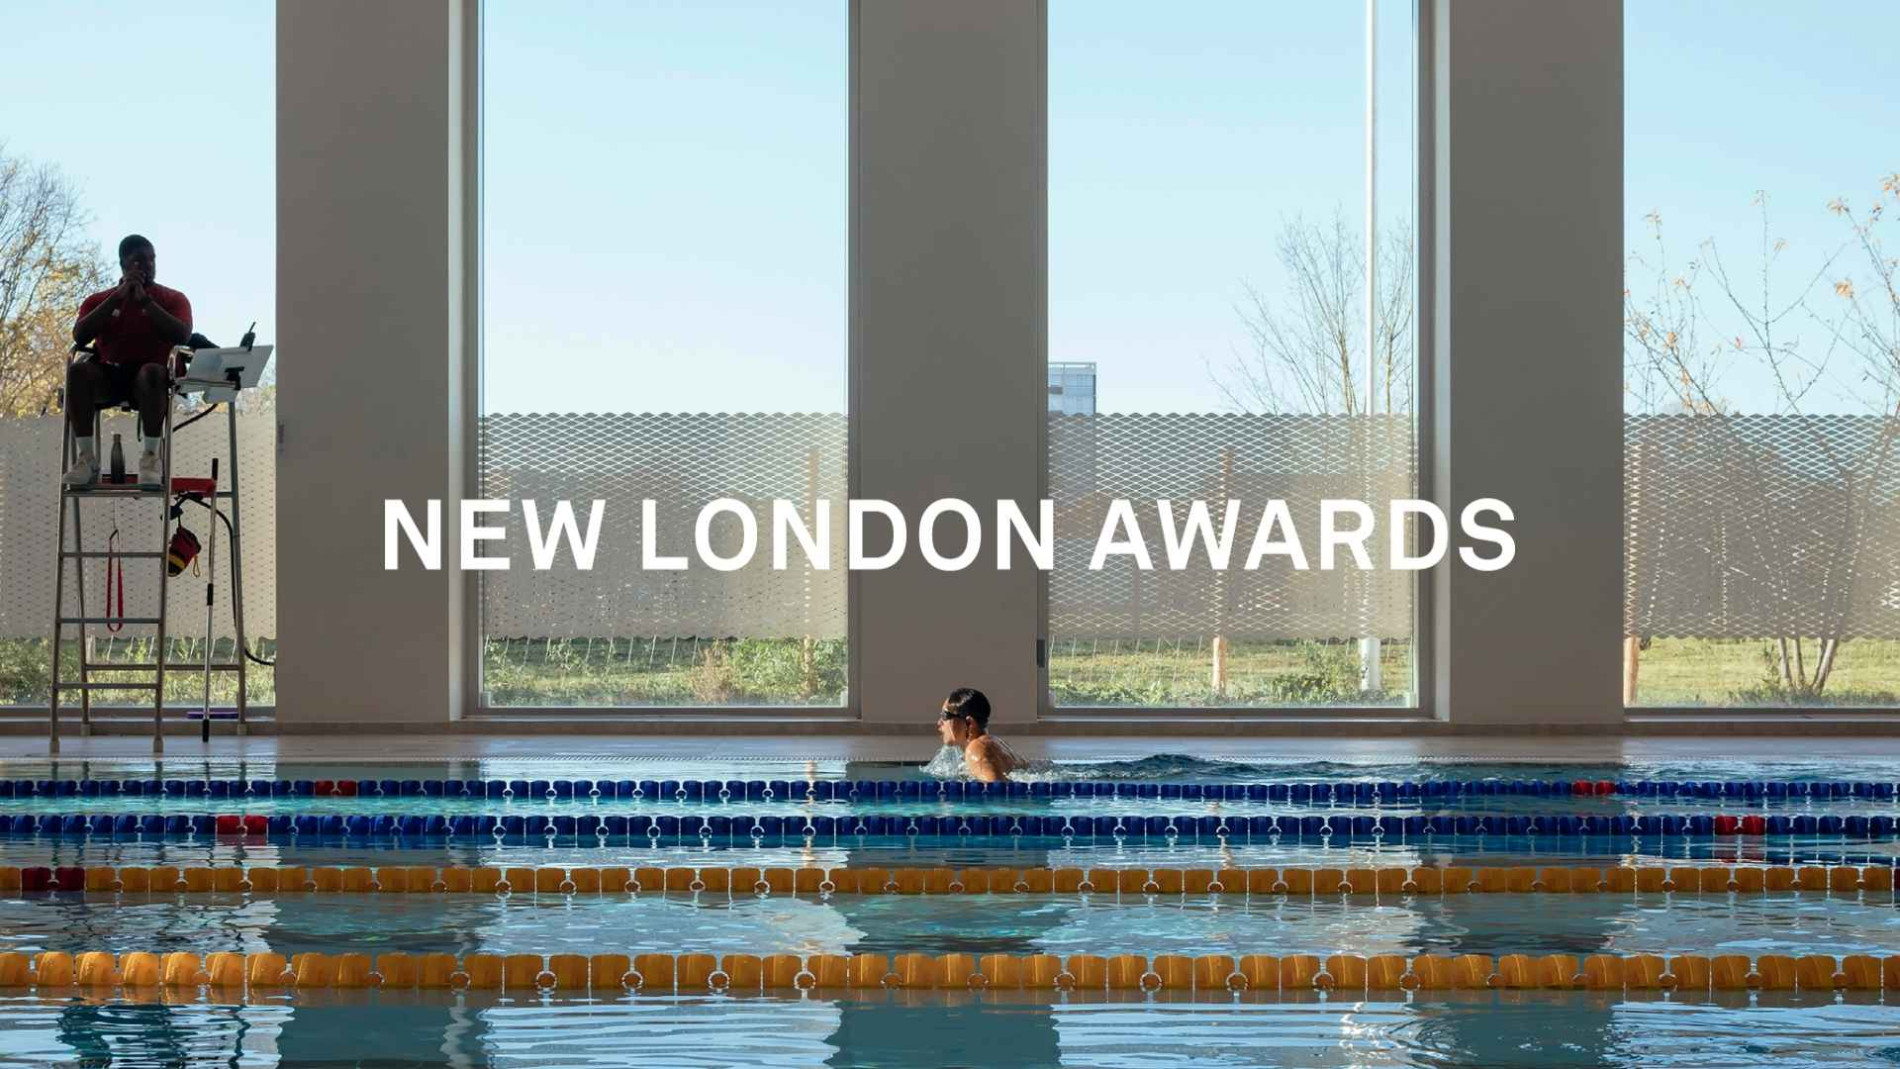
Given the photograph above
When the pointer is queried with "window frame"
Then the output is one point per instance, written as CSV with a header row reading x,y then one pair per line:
x,y
1423,705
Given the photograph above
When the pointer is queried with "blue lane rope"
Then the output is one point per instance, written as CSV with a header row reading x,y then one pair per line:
x,y
1338,826
1360,792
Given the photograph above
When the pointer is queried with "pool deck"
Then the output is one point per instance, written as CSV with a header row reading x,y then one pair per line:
x,y
605,747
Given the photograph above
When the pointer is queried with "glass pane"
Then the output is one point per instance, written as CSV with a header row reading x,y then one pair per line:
x,y
1208,333
665,252
93,150
1761,357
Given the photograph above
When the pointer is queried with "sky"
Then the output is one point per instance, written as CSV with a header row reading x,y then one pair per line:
x,y
1796,100
666,182
180,149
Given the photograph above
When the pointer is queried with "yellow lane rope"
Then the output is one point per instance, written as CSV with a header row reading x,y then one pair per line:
x,y
1696,879
221,975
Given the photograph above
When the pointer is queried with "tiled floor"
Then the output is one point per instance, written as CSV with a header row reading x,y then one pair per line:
x,y
413,747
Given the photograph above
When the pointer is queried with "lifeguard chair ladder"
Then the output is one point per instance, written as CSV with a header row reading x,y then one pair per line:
x,y
73,499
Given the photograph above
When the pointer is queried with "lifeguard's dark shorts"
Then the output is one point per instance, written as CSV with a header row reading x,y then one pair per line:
x,y
119,380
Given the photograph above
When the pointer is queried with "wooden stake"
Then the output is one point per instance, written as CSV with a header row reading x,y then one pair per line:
x,y
1632,655
1219,679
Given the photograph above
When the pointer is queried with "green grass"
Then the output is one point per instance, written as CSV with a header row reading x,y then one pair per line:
x,y
1084,673
1740,673
26,669
684,671
713,672
609,672
701,672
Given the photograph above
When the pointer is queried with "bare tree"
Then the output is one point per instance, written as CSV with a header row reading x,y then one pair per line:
x,y
1305,352
1679,350
46,268
1666,365
1870,325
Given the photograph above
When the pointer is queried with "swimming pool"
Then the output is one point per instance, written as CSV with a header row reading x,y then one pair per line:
x,y
1327,833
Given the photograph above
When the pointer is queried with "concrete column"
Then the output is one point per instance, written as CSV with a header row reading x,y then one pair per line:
x,y
1526,377
371,305
948,342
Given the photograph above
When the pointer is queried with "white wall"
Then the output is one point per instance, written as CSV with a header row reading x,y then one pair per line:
x,y
369,360
1528,354
949,383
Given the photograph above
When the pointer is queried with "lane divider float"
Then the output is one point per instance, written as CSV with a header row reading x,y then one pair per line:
x,y
1298,882
227,975
1323,792
1337,826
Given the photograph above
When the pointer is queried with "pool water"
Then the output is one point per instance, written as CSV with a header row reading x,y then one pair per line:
x,y
905,1027
1058,924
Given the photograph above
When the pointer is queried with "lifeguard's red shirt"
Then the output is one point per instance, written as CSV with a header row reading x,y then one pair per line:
x,y
129,335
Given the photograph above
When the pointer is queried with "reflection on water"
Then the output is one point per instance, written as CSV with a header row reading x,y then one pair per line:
x,y
977,924
955,1028
37,1031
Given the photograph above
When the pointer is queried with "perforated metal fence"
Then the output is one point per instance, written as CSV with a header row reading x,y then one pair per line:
x,y
680,462
1762,526
1736,527
1301,460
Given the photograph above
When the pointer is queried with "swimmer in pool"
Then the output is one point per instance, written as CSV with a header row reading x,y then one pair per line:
x,y
963,723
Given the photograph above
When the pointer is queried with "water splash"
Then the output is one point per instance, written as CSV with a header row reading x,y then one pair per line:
x,y
949,764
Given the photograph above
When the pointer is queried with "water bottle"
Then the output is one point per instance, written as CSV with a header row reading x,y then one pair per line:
x,y
118,459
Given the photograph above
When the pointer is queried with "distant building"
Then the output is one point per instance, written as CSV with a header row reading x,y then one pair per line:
x,y
1072,388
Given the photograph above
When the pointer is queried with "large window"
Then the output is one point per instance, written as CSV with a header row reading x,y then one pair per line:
x,y
157,120
1208,281
1762,357
665,250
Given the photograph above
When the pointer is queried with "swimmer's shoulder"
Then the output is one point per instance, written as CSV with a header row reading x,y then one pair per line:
x,y
993,750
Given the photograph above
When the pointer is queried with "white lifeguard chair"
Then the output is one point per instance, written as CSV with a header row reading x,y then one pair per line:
x,y
218,375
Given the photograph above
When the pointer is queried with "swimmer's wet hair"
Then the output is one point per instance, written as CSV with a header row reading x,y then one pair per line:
x,y
969,702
